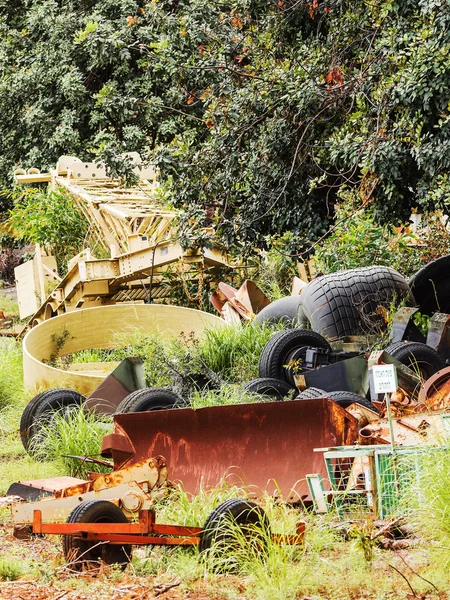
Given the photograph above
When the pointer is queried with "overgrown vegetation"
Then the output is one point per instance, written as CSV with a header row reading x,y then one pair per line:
x,y
356,240
256,112
228,354
72,433
51,220
327,566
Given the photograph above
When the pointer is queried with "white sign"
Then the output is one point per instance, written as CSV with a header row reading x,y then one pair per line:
x,y
384,379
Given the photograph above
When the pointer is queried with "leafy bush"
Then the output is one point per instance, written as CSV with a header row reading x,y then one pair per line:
x,y
257,112
52,220
357,240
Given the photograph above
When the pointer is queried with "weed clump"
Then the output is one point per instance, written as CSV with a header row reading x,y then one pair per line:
x,y
10,569
72,433
11,373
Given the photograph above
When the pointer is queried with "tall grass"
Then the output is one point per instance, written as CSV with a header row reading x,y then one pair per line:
x,y
76,432
11,373
225,395
267,570
231,353
429,499
234,351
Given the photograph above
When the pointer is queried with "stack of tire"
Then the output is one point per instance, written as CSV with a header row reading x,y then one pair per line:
x,y
347,303
342,304
331,307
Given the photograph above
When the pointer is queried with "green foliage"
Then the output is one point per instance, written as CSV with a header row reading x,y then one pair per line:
x,y
256,112
276,267
430,501
76,432
230,353
10,569
234,351
357,240
11,373
50,219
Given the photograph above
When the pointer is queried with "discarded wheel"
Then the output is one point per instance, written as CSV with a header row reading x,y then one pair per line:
x,y
312,393
149,399
266,386
344,399
41,409
418,357
285,353
239,526
431,286
81,553
348,302
283,310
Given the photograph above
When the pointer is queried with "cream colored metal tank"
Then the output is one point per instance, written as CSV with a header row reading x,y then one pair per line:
x,y
98,327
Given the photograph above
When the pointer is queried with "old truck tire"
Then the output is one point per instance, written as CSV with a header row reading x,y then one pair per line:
x,y
266,386
149,399
230,518
283,310
312,392
85,553
284,347
418,357
41,407
344,399
431,286
348,302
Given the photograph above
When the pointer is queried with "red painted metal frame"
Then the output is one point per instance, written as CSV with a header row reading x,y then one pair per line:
x,y
120,533
138,533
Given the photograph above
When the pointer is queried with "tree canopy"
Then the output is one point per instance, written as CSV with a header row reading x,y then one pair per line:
x,y
260,114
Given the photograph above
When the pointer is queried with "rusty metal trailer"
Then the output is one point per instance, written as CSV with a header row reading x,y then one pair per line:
x,y
100,519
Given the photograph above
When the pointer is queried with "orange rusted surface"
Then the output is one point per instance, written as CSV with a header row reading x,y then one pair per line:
x,y
435,392
142,532
264,447
151,470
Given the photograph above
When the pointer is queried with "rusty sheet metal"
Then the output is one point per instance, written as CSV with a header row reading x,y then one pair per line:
x,y
263,447
411,430
152,471
435,392
127,377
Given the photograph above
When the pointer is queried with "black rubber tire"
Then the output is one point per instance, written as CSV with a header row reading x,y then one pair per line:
x,y
90,552
345,303
431,286
219,531
344,399
149,399
281,346
284,310
40,408
417,357
266,386
312,392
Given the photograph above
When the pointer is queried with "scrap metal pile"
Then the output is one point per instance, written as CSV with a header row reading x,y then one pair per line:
x,y
130,223
315,392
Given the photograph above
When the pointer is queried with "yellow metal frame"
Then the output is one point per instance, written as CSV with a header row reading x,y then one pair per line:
x,y
132,224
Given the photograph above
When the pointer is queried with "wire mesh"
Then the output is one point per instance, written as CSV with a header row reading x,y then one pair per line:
x,y
378,482
351,480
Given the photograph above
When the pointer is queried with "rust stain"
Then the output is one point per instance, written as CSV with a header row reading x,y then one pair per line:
x,y
265,447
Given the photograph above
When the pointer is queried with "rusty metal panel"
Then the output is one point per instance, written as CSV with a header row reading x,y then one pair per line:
x,y
127,377
264,447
